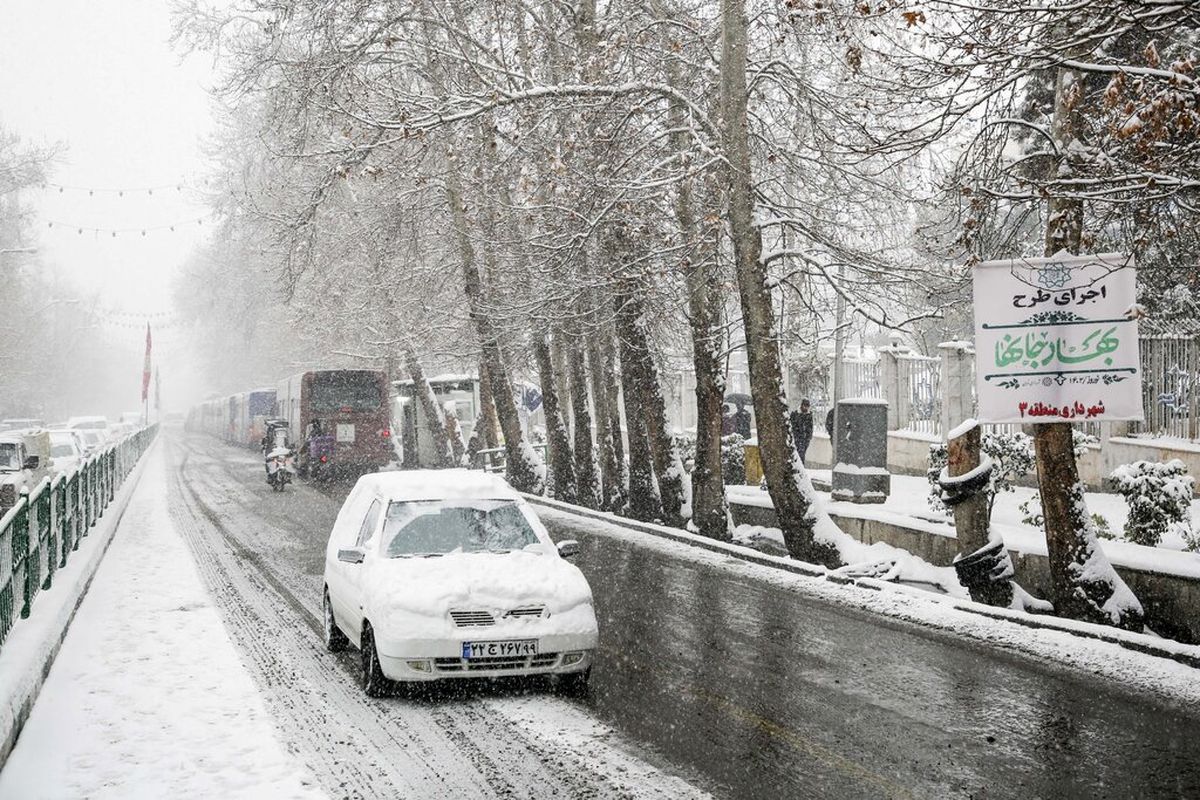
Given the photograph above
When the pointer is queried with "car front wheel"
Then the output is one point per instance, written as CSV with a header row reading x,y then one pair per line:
x,y
575,684
335,640
373,681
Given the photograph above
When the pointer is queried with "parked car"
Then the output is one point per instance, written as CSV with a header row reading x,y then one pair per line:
x,y
67,450
120,430
22,464
437,574
97,424
93,440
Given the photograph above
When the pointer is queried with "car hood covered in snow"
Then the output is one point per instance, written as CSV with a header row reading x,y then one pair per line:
x,y
495,582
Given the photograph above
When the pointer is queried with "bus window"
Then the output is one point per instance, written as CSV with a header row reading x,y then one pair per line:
x,y
354,391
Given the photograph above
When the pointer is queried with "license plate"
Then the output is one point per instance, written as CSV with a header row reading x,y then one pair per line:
x,y
345,433
509,649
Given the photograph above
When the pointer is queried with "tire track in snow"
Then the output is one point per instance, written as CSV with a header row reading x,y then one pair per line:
x,y
484,747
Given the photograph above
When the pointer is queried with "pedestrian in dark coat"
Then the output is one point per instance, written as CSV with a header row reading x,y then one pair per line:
x,y
802,428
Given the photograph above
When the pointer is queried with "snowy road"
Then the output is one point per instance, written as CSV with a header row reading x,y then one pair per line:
x,y
707,677
261,554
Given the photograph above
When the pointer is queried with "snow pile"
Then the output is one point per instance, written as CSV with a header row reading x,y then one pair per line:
x,y
1094,568
825,530
535,466
880,560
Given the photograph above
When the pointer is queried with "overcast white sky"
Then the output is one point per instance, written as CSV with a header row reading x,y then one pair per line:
x,y
100,77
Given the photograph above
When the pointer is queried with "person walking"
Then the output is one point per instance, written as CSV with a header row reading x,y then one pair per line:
x,y
802,428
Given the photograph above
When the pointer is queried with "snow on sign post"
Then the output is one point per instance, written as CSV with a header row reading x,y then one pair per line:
x,y
1056,340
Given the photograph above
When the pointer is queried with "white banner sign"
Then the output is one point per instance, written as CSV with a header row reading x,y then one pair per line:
x,y
1056,340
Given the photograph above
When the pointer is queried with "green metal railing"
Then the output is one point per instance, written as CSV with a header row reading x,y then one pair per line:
x,y
38,534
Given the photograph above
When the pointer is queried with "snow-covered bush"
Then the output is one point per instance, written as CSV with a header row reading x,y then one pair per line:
x,y
1012,458
733,459
1159,498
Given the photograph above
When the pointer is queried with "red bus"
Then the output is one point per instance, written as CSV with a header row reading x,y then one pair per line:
x,y
349,408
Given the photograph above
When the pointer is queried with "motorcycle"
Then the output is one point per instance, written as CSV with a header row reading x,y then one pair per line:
x,y
280,468
278,455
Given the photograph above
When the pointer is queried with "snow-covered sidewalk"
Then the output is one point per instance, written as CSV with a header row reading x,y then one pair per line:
x,y
148,697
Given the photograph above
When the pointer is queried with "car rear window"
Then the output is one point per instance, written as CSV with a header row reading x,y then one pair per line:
x,y
462,526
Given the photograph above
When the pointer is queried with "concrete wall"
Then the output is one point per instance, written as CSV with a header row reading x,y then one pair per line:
x,y
1171,602
908,452
1119,450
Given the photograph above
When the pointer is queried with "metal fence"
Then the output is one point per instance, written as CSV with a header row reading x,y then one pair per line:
x,y
1170,376
860,378
39,533
920,393
496,459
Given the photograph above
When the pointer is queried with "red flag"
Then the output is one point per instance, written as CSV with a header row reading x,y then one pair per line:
x,y
146,367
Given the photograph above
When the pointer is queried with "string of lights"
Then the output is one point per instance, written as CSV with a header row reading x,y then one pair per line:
x,y
123,191
114,232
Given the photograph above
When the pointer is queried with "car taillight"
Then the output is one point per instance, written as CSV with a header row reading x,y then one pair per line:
x,y
324,459
385,433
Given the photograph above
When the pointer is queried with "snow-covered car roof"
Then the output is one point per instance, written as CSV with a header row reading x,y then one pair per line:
x,y
75,422
437,484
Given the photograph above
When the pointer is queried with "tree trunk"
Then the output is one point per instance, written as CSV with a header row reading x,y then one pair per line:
x,y
710,508
562,463
524,469
612,487
635,349
1082,580
781,465
487,411
615,422
586,469
423,394
644,502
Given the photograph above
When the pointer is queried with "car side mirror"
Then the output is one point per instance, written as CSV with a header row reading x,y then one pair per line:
x,y
568,548
351,555
31,462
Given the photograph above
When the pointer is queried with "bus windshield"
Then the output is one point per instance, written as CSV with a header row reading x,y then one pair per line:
x,y
353,391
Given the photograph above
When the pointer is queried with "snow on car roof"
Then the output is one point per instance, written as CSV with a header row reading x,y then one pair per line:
x,y
438,484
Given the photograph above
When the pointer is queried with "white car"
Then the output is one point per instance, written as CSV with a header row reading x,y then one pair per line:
x,y
437,574
97,425
67,449
93,440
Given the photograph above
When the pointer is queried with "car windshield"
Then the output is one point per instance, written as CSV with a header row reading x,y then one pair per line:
x,y
62,450
9,457
434,528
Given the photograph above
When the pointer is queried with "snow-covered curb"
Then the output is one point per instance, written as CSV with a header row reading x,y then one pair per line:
x,y
31,647
1188,655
